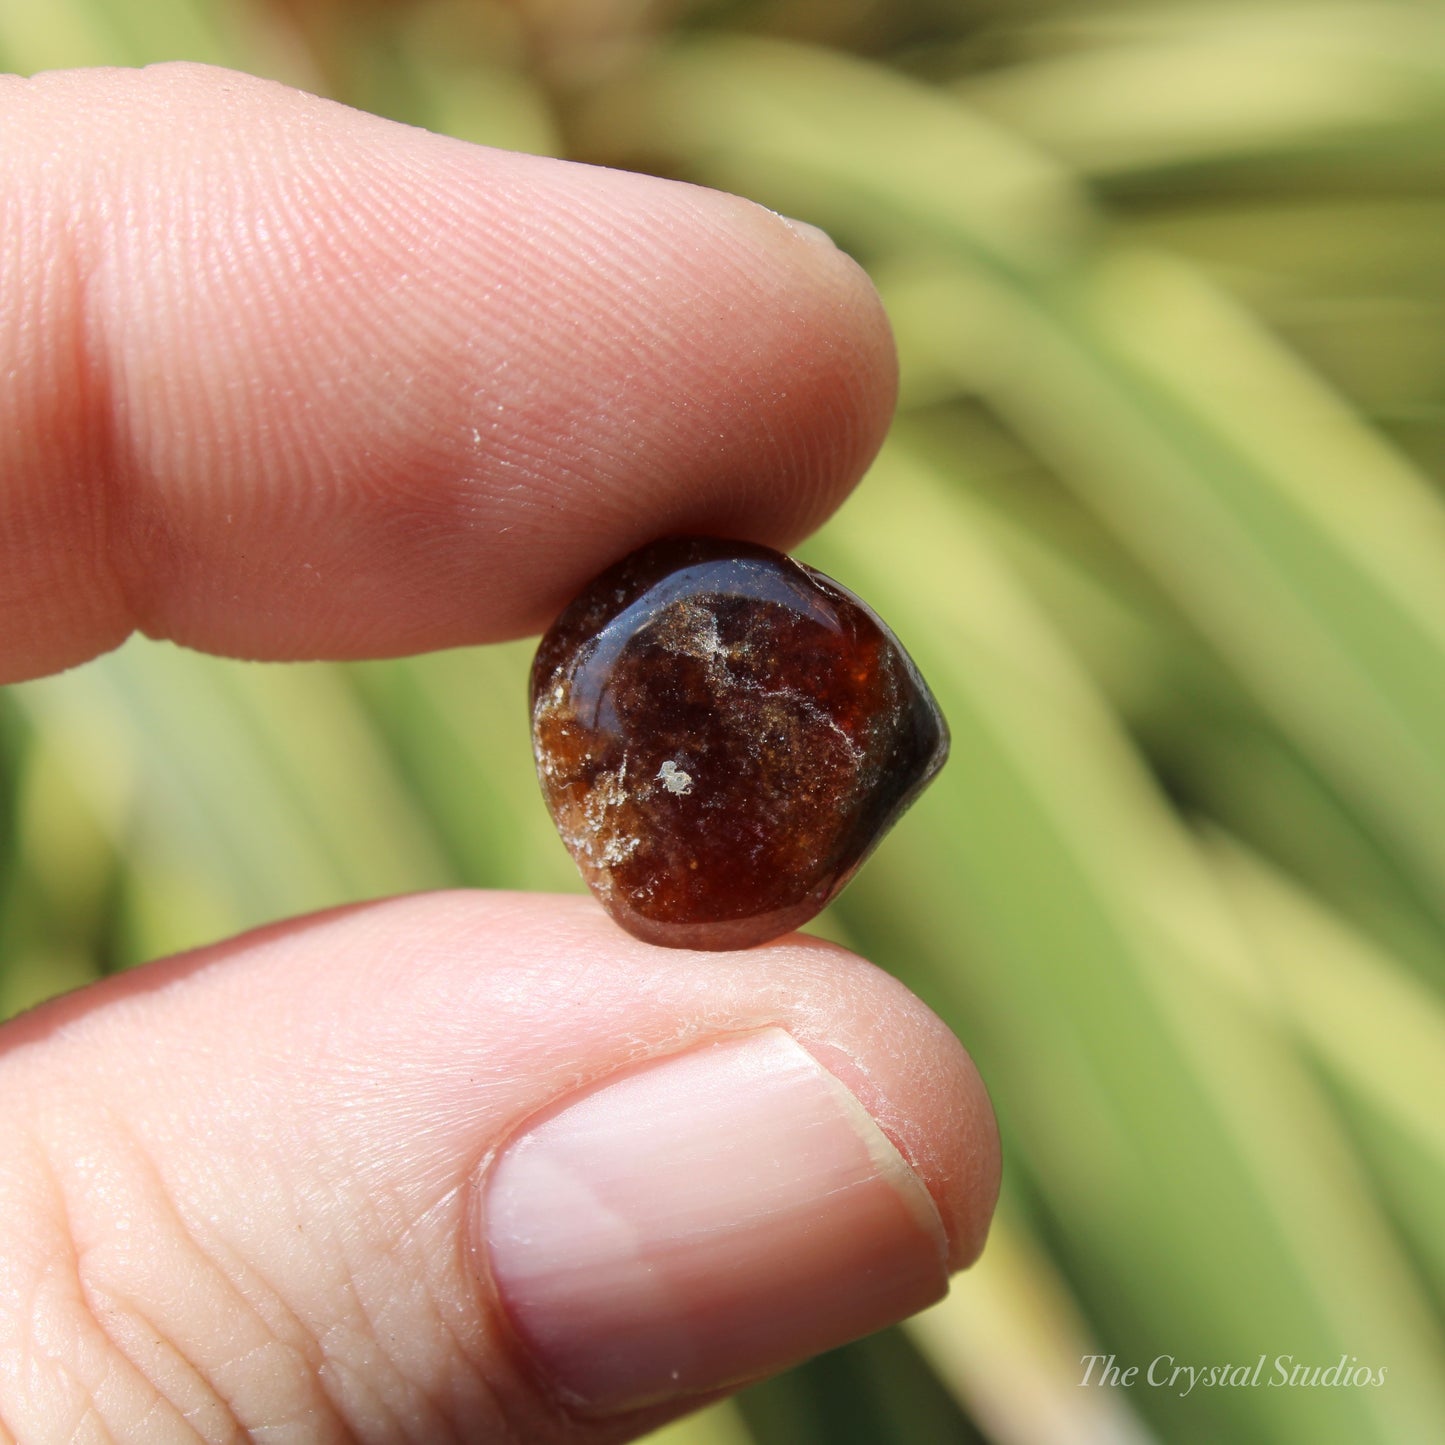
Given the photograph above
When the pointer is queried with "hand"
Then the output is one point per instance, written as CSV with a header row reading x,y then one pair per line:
x,y
281,381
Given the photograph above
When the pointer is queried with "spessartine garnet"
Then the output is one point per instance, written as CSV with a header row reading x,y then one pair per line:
x,y
722,735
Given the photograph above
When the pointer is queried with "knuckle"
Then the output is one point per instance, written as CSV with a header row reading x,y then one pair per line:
x,y
107,1323
133,1309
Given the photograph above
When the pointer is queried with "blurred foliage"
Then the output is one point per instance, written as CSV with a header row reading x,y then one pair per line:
x,y
1160,519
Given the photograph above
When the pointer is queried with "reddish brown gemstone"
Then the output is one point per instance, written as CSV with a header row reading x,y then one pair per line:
x,y
722,735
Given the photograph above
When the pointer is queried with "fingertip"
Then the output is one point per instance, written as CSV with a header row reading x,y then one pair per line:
x,y
905,1066
758,1194
352,389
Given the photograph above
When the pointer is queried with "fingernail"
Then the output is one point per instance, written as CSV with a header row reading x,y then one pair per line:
x,y
703,1220
806,228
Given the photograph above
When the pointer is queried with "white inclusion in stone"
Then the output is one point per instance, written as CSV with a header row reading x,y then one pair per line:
x,y
674,779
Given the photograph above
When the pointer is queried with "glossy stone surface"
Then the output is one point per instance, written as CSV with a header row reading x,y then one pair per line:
x,y
722,736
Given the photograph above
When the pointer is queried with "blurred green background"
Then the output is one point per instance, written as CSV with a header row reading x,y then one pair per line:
x,y
1160,519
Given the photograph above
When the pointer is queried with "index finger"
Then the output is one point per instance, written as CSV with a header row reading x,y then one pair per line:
x,y
285,380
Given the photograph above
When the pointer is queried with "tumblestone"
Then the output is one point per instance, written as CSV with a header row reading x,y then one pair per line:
x,y
722,736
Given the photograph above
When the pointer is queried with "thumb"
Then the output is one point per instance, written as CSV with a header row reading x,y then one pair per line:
x,y
467,1165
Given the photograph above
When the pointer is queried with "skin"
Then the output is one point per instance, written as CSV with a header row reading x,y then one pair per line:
x,y
282,380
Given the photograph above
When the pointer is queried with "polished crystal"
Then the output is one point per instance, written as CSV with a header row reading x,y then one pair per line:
x,y
722,735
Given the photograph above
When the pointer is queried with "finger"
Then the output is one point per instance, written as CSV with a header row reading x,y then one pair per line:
x,y
471,1165
287,380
